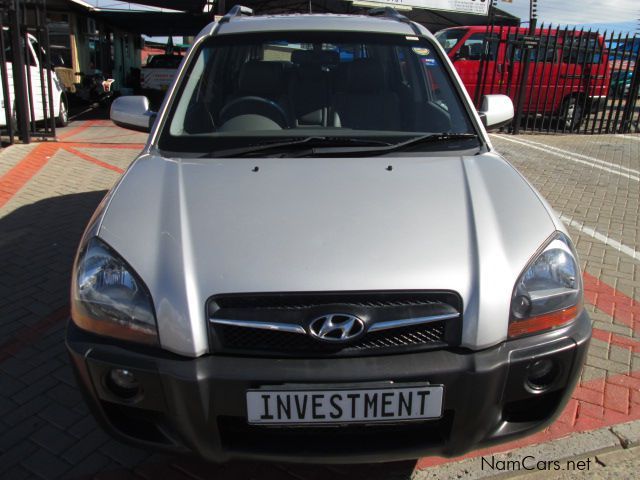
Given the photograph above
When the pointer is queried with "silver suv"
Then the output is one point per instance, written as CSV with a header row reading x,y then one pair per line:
x,y
319,256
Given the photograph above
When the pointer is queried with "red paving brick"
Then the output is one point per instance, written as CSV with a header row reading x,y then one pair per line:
x,y
87,124
16,178
616,398
623,309
590,410
91,159
588,395
617,340
624,381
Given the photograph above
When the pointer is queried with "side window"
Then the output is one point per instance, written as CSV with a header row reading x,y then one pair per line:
x,y
544,52
581,50
474,47
448,39
9,53
514,50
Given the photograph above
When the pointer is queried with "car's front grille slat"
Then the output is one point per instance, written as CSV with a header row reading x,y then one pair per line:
x,y
278,324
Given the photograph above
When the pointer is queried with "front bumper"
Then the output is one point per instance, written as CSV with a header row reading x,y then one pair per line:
x,y
199,404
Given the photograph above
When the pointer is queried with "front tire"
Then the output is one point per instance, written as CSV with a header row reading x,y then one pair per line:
x,y
62,120
571,114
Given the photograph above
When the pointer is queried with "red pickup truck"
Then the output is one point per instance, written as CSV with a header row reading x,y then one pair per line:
x,y
568,77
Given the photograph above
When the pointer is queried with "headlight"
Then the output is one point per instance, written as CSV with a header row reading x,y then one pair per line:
x,y
108,298
548,294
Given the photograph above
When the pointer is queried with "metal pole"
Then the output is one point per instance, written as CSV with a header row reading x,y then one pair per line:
x,y
630,106
4,73
525,68
47,49
19,79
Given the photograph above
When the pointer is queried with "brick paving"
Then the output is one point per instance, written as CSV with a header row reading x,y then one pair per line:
x,y
48,192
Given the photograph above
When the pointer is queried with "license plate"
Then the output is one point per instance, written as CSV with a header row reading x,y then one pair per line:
x,y
358,405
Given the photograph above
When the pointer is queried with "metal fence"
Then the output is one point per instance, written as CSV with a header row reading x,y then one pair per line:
x,y
26,76
561,80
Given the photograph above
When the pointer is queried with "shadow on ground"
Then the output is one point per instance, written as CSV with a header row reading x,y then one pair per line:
x,y
45,428
89,112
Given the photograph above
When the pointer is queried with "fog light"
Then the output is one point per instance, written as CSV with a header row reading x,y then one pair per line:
x,y
541,374
123,383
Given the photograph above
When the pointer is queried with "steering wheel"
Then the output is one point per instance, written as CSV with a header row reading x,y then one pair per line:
x,y
251,105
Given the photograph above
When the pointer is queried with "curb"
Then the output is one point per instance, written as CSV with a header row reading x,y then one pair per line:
x,y
578,452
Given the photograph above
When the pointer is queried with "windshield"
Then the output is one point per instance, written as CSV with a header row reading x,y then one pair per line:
x,y
450,38
250,90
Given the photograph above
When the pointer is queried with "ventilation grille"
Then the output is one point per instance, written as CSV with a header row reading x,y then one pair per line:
x,y
295,312
268,342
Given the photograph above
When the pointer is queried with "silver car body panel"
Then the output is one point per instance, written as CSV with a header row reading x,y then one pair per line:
x,y
193,228
196,228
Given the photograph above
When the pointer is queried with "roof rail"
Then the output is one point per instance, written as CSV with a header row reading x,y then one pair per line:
x,y
392,13
237,11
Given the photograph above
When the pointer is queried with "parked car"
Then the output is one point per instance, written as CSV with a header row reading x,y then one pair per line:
x,y
38,100
569,74
323,260
159,72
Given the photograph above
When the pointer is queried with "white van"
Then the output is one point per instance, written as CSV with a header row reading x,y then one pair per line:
x,y
60,106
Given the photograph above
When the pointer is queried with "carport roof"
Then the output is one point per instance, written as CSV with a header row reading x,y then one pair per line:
x,y
148,22
181,5
433,19
189,19
155,23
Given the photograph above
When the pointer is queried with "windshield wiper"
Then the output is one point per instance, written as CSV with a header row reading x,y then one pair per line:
x,y
394,147
312,142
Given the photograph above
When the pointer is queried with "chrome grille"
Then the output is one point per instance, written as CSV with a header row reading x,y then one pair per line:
x,y
416,335
268,342
278,325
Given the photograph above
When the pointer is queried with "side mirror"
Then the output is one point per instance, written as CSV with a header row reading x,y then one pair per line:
x,y
496,111
132,112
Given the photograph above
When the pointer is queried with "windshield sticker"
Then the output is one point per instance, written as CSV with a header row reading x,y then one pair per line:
x,y
415,39
429,62
421,51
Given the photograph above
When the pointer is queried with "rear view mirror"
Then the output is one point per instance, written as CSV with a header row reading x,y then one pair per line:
x,y
496,111
132,112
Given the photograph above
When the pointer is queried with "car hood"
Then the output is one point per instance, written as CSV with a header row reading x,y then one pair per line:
x,y
195,228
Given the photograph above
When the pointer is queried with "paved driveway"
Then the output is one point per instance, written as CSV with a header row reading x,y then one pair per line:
x,y
48,192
